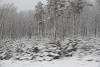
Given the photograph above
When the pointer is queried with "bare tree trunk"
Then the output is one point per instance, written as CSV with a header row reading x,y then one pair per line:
x,y
64,31
74,23
2,29
55,28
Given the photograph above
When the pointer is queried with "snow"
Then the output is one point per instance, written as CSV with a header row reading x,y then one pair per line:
x,y
87,55
63,62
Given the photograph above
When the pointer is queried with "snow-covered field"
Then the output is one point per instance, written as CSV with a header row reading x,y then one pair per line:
x,y
87,61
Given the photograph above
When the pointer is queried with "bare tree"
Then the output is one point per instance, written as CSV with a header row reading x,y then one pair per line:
x,y
5,10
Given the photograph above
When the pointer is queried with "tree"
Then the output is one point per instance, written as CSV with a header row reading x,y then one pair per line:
x,y
53,6
39,13
5,10
76,8
61,11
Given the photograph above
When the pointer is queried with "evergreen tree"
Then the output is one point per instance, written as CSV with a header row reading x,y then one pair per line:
x,y
39,13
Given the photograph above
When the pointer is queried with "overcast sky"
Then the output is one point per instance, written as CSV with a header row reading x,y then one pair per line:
x,y
24,4
27,4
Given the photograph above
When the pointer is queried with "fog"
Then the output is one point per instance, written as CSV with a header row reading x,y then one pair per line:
x,y
24,4
27,4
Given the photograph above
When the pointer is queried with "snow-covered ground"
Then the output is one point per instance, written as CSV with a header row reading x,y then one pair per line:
x,y
87,61
87,54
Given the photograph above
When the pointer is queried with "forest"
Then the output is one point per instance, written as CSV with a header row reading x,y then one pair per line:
x,y
58,29
56,19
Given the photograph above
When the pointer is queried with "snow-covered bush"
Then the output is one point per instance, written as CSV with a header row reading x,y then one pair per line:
x,y
40,50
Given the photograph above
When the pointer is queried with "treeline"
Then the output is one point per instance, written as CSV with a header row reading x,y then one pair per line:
x,y
16,24
56,19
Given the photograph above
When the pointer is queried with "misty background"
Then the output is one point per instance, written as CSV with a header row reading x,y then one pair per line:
x,y
23,4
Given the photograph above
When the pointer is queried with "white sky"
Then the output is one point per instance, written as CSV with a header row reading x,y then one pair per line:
x,y
24,4
27,4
